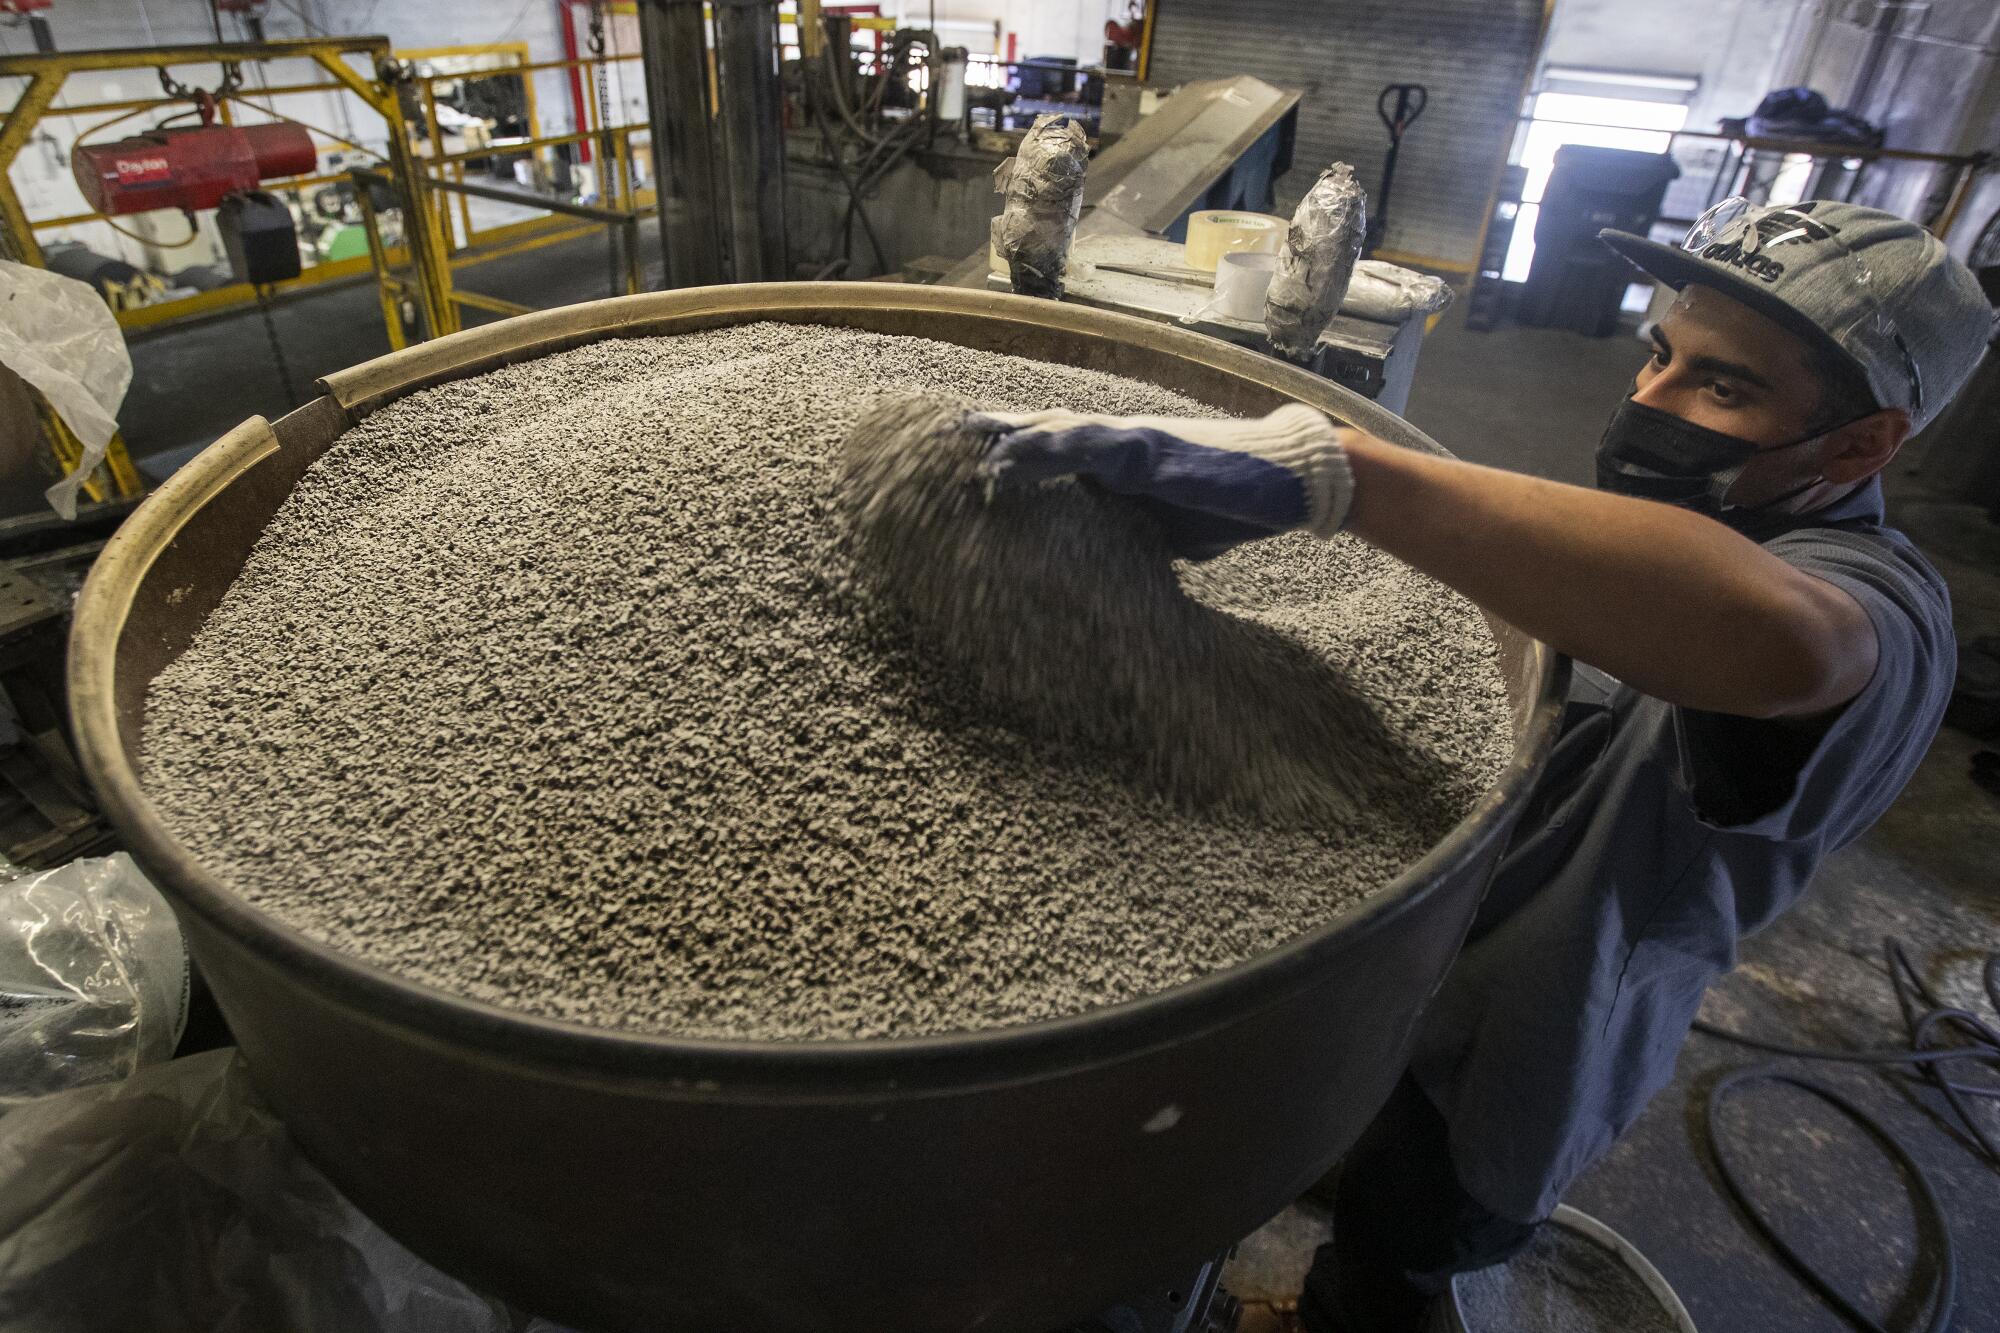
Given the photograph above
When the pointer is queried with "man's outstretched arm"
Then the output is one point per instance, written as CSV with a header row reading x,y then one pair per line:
x,y
1672,603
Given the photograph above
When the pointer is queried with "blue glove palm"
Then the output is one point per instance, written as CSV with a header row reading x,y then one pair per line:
x,y
1210,484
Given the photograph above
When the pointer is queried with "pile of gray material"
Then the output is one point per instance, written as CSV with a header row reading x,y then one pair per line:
x,y
1564,1282
552,687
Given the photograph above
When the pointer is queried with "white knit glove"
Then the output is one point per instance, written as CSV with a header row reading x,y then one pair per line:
x,y
1212,483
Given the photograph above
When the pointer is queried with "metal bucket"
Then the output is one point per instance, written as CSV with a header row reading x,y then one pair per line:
x,y
1010,1179
1450,1316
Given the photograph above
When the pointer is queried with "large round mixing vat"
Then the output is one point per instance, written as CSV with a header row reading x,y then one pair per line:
x,y
1009,1179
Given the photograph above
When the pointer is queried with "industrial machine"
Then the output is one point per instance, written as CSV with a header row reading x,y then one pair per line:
x,y
201,166
1013,1179
190,169
207,166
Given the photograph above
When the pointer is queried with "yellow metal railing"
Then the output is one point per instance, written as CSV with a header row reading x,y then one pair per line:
x,y
46,73
395,283
155,314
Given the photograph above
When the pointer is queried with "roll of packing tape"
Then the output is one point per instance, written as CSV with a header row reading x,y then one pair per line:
x,y
1241,283
1215,232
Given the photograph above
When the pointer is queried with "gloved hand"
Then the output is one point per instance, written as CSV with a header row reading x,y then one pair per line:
x,y
1211,484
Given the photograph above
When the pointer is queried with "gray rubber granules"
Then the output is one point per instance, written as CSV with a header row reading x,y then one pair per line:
x,y
1563,1282
554,687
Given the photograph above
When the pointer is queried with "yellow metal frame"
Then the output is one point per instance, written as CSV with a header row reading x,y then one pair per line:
x,y
395,285
46,75
519,63
617,188
617,191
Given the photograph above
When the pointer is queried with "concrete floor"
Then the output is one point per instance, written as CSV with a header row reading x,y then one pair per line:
x,y
1535,400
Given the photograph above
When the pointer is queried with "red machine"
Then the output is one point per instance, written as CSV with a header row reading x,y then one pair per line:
x,y
193,168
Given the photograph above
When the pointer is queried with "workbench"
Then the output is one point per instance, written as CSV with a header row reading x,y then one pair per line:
x,y
1137,195
1374,359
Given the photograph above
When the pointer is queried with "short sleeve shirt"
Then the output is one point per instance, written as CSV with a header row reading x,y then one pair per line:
x,y
1657,838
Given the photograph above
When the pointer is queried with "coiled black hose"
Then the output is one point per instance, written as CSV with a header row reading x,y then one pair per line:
x,y
1926,1021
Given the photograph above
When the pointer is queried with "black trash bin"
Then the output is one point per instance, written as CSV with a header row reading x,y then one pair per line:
x,y
1576,283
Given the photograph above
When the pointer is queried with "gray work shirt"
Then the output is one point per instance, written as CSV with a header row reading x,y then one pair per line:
x,y
1657,838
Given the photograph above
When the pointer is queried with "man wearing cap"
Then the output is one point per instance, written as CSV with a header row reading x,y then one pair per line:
x,y
1760,663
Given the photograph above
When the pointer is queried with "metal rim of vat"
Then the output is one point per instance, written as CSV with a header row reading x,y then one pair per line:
x,y
954,1060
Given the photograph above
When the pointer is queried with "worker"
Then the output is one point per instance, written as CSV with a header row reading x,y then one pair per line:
x,y
1759,665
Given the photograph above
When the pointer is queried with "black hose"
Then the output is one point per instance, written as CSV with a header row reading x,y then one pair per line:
x,y
1924,1015
1943,1291
875,166
855,208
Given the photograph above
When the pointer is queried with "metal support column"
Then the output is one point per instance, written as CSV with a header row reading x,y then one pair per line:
x,y
673,44
17,234
753,146
421,233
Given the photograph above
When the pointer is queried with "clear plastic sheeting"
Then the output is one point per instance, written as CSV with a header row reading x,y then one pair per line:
x,y
93,978
1044,188
176,1201
58,335
1393,294
1317,261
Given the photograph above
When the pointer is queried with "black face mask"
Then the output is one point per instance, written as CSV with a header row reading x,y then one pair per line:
x,y
1656,455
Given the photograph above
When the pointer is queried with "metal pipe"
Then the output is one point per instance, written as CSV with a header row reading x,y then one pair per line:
x,y
573,68
522,147
435,136
141,103
673,49
498,305
1816,147
194,53
573,64
1961,186
507,196
386,285
753,147
635,269
837,51
428,252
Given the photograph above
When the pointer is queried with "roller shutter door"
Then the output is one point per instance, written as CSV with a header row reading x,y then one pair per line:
x,y
1473,56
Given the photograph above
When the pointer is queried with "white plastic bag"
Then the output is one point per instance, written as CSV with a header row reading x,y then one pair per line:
x,y
93,978
58,335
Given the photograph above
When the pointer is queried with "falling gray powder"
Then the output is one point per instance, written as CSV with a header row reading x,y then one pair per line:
x,y
1206,708
553,687
1564,1282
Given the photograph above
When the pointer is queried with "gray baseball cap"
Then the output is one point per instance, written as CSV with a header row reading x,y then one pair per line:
x,y
1877,292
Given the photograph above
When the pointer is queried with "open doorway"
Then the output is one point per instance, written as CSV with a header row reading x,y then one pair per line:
x,y
1599,108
